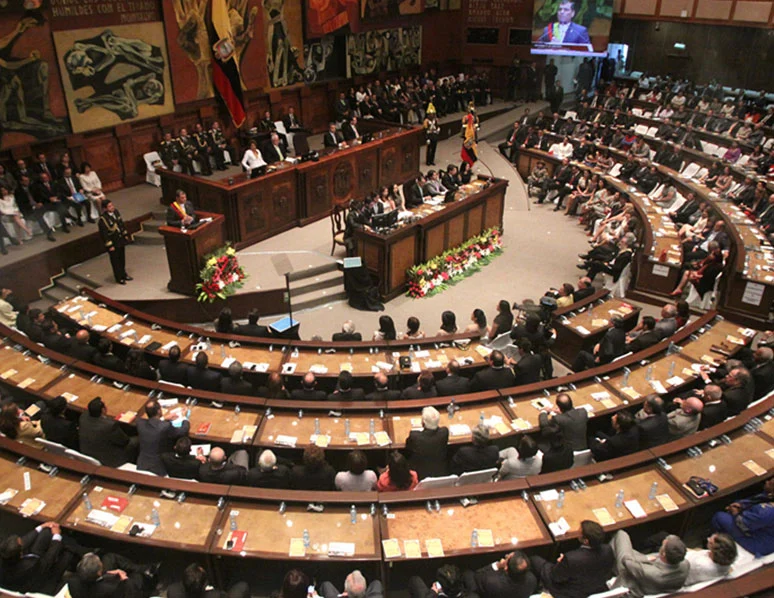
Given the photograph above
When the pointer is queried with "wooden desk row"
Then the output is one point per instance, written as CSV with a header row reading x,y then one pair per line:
x,y
389,526
373,425
479,206
297,195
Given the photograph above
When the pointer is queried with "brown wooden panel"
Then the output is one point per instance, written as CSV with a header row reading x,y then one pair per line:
x,y
456,232
674,8
493,212
641,7
254,215
402,257
283,202
435,241
343,184
367,171
317,198
388,164
104,156
475,222
372,256
711,9
757,12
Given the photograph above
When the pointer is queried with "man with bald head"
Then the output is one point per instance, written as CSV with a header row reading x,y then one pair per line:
x,y
355,586
454,383
636,571
80,347
763,372
382,391
308,390
218,470
685,420
715,409
667,325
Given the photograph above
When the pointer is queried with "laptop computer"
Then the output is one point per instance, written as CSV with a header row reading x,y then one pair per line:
x,y
259,171
384,220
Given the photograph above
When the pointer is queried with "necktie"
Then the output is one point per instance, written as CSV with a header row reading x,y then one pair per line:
x,y
279,152
70,184
354,130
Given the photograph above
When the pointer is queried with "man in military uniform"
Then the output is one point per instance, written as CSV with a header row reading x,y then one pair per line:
x,y
115,237
190,151
219,144
202,142
172,155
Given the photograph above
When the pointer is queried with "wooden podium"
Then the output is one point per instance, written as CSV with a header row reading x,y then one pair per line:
x,y
187,248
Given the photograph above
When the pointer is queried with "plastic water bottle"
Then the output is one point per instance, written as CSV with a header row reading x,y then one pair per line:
x,y
353,515
560,500
649,373
282,508
346,427
316,425
300,414
474,539
232,520
86,501
481,418
653,490
381,413
619,499
451,409
627,371
372,427
223,351
155,517
672,369
237,410
188,413
307,540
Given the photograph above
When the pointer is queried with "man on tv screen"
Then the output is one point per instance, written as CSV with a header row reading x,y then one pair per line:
x,y
564,31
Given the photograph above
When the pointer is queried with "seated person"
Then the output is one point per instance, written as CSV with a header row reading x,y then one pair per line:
x,y
350,132
415,194
624,441
427,449
333,138
105,358
234,383
56,426
218,470
525,461
636,571
647,338
344,390
398,475
200,376
750,521
347,333
268,473
315,473
357,478
684,421
558,455
382,390
433,186
252,158
274,151
652,422
180,463
453,383
171,370
196,585
252,328
308,390
510,577
497,375
481,454
714,562
424,389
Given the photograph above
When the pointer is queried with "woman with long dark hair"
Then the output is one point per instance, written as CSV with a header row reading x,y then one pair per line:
x,y
386,330
398,475
448,323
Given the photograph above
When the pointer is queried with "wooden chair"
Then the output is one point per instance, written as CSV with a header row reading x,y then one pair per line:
x,y
338,223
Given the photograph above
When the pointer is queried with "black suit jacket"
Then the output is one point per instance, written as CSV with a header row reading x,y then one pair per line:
x,y
270,154
527,370
176,590
43,195
60,429
415,196
203,379
498,584
303,394
252,330
349,132
82,351
474,458
643,341
103,439
383,395
33,572
573,424
557,459
427,450
580,573
278,478
612,345
173,219
654,430
25,199
56,342
414,392
737,399
321,479
157,436
452,385
354,394
328,140
228,474
491,379
37,169
712,414
763,378
617,445
64,188
107,586
347,336
172,371
186,467
109,362
236,387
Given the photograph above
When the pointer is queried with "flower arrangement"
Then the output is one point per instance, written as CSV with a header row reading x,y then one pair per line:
x,y
450,267
221,276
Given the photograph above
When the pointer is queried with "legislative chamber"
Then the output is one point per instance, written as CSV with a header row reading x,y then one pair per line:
x,y
445,298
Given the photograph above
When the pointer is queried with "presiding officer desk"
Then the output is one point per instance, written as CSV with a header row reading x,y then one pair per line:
x,y
433,229
295,195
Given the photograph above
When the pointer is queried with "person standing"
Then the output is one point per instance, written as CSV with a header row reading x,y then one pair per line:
x,y
549,76
432,129
115,236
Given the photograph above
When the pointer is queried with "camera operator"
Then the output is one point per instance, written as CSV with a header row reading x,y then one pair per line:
x,y
538,328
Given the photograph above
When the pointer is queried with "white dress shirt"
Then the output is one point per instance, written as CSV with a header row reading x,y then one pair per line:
x,y
703,568
252,160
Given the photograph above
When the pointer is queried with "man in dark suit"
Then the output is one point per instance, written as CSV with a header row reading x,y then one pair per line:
x,y
80,348
585,289
510,577
308,390
715,409
344,390
382,390
181,212
70,190
615,267
171,370
527,369
652,422
31,208
111,575
453,384
101,437
426,449
763,372
53,339
218,470
34,562
332,138
647,338
196,585
580,572
572,421
157,435
481,454
423,389
252,328
274,151
350,132
564,31
347,333
180,463
739,390
268,473
56,426
497,375
200,376
45,194
625,441
513,140
43,166
234,384
341,108
415,195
